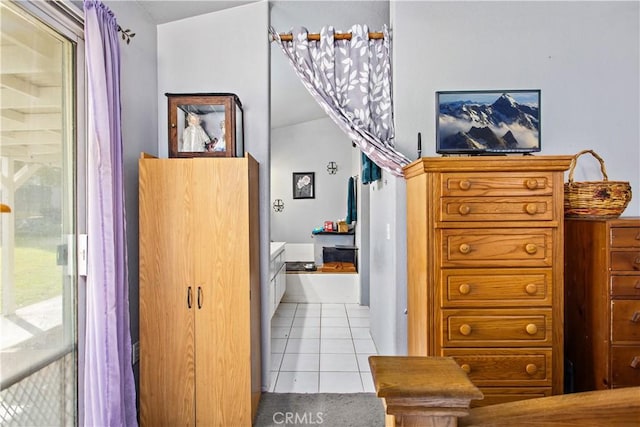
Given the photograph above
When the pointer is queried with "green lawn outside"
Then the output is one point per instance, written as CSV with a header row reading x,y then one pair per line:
x,y
37,277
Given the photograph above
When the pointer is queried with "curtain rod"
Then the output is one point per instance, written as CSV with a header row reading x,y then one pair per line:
x,y
339,36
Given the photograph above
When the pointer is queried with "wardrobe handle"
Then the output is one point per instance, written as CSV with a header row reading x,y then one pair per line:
x,y
200,297
189,297
531,248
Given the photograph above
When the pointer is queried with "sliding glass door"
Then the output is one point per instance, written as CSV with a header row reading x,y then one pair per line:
x,y
39,48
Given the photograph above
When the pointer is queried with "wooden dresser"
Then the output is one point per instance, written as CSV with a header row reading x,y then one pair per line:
x,y
602,302
485,269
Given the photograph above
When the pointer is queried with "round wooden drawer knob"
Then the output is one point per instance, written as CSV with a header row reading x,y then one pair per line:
x,y
464,248
464,289
531,289
464,209
464,184
531,369
466,368
531,208
532,184
465,330
531,248
532,329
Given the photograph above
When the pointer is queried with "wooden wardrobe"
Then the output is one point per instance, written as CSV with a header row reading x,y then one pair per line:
x,y
485,269
199,291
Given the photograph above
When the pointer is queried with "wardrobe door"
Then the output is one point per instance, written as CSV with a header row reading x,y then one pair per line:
x,y
167,293
223,370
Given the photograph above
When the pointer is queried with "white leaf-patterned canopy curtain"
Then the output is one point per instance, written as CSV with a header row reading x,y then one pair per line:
x,y
351,80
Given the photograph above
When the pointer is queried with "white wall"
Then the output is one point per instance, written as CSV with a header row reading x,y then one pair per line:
x,y
309,147
226,51
584,56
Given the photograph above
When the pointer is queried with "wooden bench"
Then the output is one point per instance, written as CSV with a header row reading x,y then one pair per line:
x,y
435,391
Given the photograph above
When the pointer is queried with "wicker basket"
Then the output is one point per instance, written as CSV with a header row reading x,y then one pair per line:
x,y
595,199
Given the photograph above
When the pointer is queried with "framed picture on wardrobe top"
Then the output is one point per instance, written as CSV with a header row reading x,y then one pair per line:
x,y
205,125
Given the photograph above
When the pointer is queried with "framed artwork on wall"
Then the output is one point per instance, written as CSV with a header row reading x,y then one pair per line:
x,y
304,185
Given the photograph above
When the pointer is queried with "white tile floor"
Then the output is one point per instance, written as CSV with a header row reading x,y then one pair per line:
x,y
321,348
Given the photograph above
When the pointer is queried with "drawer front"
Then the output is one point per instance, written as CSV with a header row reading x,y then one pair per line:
x,y
504,368
497,247
495,287
486,209
625,321
625,237
625,261
628,286
625,366
496,328
497,184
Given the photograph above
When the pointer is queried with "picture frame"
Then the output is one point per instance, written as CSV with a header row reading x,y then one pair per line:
x,y
488,121
205,125
304,185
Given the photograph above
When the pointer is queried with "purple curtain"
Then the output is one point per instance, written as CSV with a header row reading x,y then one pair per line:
x,y
109,388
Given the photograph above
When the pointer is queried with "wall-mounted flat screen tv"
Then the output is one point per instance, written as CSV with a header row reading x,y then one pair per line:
x,y
488,122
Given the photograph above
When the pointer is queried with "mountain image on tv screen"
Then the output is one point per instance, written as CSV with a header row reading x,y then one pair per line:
x,y
506,121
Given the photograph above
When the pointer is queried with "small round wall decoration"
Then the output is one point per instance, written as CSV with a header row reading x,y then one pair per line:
x,y
278,205
332,168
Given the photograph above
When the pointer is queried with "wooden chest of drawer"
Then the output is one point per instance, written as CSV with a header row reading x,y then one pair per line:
x,y
603,302
485,276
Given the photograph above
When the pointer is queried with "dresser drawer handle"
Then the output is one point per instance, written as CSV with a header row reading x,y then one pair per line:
x,y
637,285
464,184
635,363
531,289
464,248
531,248
466,368
531,368
464,209
532,184
636,317
464,289
531,329
465,330
531,208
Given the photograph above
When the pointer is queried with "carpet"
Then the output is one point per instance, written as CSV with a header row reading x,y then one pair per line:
x,y
324,409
